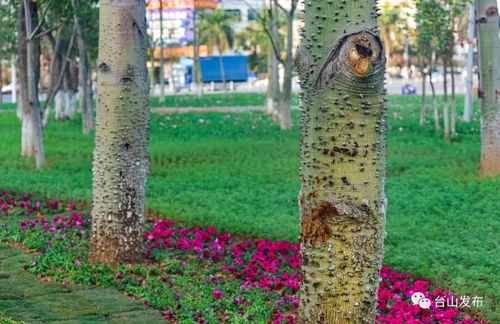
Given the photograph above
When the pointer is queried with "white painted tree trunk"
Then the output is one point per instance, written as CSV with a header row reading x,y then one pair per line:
x,y
120,162
70,108
60,104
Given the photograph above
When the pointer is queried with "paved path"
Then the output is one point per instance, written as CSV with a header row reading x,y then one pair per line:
x,y
24,298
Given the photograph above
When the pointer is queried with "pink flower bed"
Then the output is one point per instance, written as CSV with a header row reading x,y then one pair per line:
x,y
274,266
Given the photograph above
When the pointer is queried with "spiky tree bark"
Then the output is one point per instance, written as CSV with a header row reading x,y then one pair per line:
x,y
120,155
341,65
489,62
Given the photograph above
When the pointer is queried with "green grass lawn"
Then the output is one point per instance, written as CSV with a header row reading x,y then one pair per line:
x,y
207,100
239,172
8,106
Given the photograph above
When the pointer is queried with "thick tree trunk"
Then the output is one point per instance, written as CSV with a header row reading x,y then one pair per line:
x,y
453,115
32,123
446,113
341,65
422,104
489,62
83,72
470,64
120,156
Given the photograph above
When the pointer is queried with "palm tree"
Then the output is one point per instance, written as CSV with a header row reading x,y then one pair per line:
x,y
216,31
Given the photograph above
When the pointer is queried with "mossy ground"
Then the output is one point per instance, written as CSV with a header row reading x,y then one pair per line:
x,y
24,298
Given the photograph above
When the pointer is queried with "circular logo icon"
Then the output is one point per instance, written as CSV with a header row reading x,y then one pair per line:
x,y
424,303
415,298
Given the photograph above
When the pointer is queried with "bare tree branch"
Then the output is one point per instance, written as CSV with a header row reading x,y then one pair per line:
x,y
42,21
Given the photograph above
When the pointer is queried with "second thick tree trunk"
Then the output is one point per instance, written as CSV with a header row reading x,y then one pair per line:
x,y
341,65
122,129
489,62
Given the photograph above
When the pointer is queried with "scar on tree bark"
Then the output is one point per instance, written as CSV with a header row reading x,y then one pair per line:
x,y
355,53
316,224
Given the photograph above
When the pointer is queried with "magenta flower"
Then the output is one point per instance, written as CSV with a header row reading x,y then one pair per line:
x,y
217,294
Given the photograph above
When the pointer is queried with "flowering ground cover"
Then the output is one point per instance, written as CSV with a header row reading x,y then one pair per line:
x,y
198,275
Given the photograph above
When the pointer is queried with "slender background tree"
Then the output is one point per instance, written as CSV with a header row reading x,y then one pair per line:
x,y
216,30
